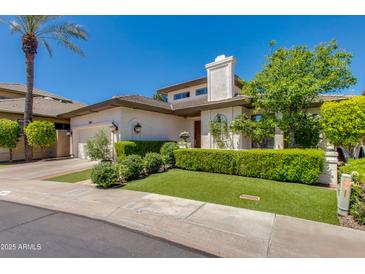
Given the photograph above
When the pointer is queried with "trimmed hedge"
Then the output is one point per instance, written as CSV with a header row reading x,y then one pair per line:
x,y
289,165
141,148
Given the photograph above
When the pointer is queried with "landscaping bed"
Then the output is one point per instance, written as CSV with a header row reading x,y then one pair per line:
x,y
356,168
297,200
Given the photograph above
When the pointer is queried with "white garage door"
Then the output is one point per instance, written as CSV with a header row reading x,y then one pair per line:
x,y
82,135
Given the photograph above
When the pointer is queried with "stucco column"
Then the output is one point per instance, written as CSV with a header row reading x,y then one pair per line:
x,y
278,139
329,175
279,135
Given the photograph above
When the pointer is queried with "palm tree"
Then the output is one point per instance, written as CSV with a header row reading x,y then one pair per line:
x,y
35,29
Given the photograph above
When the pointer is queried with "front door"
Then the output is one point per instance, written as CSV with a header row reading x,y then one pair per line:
x,y
197,134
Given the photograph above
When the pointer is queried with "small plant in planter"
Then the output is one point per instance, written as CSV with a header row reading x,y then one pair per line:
x,y
184,136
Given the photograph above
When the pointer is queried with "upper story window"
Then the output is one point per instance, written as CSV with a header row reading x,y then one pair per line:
x,y
181,95
201,91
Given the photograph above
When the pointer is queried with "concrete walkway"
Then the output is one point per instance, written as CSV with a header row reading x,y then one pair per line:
x,y
220,230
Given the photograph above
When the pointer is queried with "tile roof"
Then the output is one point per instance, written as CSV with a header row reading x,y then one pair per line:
x,y
41,106
22,89
195,82
186,108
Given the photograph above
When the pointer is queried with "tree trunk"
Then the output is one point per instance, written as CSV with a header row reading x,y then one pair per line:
x,y
11,154
28,111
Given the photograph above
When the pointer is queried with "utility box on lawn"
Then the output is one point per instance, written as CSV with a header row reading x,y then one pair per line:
x,y
343,194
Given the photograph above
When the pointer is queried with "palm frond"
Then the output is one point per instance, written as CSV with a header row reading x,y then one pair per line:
x,y
41,27
47,46
65,30
68,44
15,27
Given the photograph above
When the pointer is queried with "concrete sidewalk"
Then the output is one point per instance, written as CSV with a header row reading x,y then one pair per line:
x,y
220,230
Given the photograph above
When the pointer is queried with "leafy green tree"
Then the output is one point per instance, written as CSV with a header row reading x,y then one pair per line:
x,y
98,147
9,135
344,122
36,29
258,130
292,79
307,134
159,97
41,133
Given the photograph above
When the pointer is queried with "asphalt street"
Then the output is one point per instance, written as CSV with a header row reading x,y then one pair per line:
x,y
27,231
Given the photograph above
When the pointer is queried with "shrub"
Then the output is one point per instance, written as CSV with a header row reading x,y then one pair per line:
x,y
125,148
105,175
291,165
357,201
152,162
344,122
167,152
133,165
41,133
98,147
9,135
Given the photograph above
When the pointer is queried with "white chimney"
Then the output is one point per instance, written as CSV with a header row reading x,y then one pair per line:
x,y
220,75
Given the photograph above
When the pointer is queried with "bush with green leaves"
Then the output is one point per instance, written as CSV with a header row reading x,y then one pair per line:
x,y
219,130
133,165
289,165
41,133
152,162
98,148
105,175
9,135
357,201
125,148
344,122
167,152
307,134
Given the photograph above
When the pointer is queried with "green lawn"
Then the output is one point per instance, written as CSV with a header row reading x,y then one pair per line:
x,y
297,200
72,177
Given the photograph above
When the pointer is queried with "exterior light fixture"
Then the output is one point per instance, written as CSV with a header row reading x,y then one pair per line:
x,y
114,127
137,128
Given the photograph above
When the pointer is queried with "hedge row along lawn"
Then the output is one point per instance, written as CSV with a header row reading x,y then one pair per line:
x,y
72,177
287,165
297,200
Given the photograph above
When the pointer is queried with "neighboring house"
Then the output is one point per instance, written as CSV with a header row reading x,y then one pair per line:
x,y
189,107
46,106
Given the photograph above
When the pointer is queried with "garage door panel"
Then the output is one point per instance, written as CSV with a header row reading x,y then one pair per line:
x,y
82,135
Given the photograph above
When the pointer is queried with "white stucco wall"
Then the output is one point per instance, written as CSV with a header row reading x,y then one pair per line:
x,y
155,126
192,89
235,141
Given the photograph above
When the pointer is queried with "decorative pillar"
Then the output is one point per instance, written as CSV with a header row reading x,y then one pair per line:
x,y
329,175
279,135
278,139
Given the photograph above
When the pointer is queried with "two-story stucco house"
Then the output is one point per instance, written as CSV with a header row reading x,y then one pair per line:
x,y
189,107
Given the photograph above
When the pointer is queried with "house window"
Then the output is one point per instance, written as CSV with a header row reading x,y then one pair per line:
x,y
267,142
62,126
181,95
201,91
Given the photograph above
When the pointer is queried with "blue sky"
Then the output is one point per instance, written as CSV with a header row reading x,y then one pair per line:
x,y
139,54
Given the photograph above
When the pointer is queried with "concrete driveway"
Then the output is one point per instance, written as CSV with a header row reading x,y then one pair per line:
x,y
43,169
